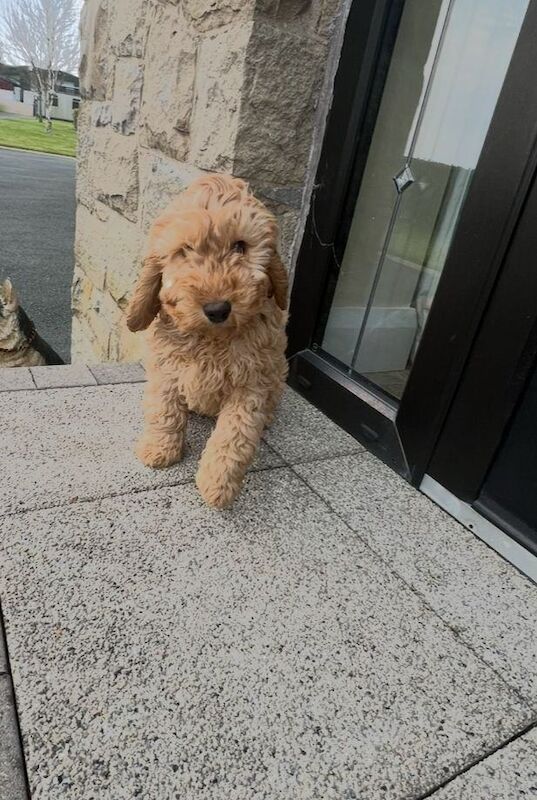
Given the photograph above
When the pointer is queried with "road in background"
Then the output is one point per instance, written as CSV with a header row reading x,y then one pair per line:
x,y
37,228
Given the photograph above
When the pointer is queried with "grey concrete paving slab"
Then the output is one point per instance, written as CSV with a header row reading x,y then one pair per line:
x,y
161,649
15,378
300,432
486,600
118,373
12,780
56,377
67,444
508,774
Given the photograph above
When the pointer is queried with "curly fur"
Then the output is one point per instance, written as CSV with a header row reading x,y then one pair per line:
x,y
216,242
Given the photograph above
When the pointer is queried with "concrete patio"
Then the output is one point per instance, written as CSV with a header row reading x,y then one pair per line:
x,y
334,635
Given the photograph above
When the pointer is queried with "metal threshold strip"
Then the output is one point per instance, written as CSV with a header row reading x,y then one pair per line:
x,y
497,539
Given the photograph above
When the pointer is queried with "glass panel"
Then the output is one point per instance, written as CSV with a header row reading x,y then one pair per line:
x,y
446,73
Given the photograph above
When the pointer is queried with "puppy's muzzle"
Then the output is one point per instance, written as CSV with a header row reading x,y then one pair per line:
x,y
217,312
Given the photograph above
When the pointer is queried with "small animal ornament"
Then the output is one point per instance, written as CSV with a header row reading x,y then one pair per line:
x,y
213,293
20,344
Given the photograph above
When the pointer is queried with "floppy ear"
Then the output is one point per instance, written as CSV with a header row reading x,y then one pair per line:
x,y
144,304
279,280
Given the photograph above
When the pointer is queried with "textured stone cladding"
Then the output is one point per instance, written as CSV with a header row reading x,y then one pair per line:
x,y
172,88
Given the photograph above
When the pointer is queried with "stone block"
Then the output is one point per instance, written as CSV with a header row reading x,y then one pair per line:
x,y
89,230
330,14
281,83
125,105
279,195
82,291
168,82
125,345
101,114
206,15
303,16
288,222
219,89
108,170
106,319
285,203
128,28
118,373
161,179
84,346
99,331
61,377
85,126
13,379
299,16
95,318
96,64
108,249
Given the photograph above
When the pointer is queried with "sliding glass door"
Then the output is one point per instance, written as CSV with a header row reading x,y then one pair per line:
x,y
447,69
428,156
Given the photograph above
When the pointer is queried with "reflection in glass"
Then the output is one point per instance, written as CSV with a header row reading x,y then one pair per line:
x,y
447,70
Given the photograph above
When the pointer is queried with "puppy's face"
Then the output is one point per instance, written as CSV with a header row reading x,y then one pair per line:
x,y
215,266
212,261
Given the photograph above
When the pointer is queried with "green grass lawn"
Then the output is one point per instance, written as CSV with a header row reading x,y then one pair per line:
x,y
29,134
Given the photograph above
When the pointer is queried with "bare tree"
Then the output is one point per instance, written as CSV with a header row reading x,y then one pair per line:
x,y
44,35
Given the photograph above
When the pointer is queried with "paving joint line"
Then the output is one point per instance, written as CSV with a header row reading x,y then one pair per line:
x,y
84,500
316,459
431,792
527,702
70,386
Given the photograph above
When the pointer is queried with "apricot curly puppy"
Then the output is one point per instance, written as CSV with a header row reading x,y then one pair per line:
x,y
214,291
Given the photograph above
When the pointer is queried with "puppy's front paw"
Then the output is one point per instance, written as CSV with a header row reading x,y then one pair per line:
x,y
158,454
218,490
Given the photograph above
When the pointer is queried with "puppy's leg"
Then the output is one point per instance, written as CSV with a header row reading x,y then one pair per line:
x,y
231,449
165,416
272,403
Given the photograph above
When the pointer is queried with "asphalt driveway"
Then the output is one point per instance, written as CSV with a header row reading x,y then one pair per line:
x,y
37,227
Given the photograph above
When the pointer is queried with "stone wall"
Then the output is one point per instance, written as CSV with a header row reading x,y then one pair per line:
x,y
172,88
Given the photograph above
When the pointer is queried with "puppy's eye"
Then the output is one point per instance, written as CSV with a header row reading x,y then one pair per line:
x,y
239,247
171,303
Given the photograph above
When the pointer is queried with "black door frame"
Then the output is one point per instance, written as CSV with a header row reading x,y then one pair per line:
x,y
498,367
405,436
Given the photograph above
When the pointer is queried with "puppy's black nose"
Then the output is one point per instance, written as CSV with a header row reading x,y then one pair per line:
x,y
217,312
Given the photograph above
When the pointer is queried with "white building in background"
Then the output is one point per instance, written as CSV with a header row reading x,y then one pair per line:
x,y
24,102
